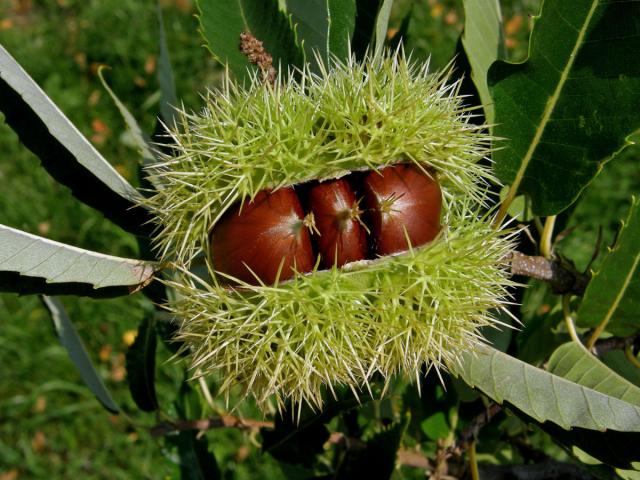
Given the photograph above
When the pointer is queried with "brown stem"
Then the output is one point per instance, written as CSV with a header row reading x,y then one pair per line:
x,y
225,421
548,470
471,431
562,276
614,343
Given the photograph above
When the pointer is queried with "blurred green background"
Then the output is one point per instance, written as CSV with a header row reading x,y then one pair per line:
x,y
50,424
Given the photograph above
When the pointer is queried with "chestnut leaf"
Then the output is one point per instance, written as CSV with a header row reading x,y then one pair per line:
x,y
65,153
222,22
613,294
544,396
323,27
33,264
72,342
571,106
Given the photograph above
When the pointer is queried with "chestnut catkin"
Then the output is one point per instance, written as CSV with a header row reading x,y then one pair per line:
x,y
260,236
402,202
342,239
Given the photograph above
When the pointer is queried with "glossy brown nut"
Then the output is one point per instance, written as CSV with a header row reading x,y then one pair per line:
x,y
399,198
262,235
341,237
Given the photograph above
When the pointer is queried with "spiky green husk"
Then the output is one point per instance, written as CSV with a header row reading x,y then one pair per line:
x,y
342,326
295,340
352,117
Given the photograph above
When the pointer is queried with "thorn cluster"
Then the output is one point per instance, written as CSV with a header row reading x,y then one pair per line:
x,y
297,340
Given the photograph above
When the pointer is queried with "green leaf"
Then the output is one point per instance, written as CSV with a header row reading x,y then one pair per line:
x,y
222,22
613,294
324,27
544,396
141,366
575,363
435,426
382,25
139,139
483,44
378,458
617,361
32,264
572,104
64,152
196,461
342,22
168,97
299,435
73,344
401,36
366,13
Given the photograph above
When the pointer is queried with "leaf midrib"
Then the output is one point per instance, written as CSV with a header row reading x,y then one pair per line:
x,y
625,285
553,100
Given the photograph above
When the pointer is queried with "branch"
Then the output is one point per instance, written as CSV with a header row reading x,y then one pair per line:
x,y
615,343
471,431
563,277
536,471
225,421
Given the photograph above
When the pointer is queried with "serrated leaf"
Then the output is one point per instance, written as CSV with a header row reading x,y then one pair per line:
x,y
543,396
572,104
64,152
613,294
140,140
222,22
575,363
168,97
40,265
382,25
71,341
141,366
483,44
323,27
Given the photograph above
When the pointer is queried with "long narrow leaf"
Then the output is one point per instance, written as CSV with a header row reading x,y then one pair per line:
x,y
483,44
139,138
73,344
382,24
168,97
62,268
64,152
141,365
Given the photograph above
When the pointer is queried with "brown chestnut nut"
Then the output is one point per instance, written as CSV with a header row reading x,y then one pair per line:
x,y
402,202
262,235
342,239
